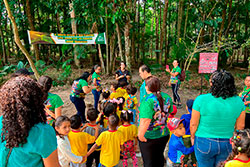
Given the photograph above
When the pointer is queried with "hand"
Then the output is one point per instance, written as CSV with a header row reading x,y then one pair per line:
x,y
122,76
84,158
246,102
168,70
97,127
84,127
169,84
142,138
192,141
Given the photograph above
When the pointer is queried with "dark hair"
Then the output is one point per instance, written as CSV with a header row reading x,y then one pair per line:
x,y
109,109
84,76
59,121
126,116
105,94
131,90
21,105
46,82
223,84
145,68
154,86
241,140
247,76
92,114
113,121
94,68
123,84
75,121
115,85
120,105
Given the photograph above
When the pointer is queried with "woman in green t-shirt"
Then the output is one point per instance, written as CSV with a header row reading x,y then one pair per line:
x,y
96,80
80,88
53,103
245,96
153,133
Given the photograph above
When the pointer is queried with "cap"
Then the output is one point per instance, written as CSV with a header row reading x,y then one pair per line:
x,y
23,71
173,123
172,114
190,103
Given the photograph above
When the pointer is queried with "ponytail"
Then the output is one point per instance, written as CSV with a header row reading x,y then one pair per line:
x,y
160,99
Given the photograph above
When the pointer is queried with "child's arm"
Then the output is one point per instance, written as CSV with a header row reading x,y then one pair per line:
x,y
92,149
184,149
84,127
136,142
97,127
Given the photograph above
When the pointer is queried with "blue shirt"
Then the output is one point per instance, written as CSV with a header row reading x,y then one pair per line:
x,y
177,150
143,92
186,122
41,142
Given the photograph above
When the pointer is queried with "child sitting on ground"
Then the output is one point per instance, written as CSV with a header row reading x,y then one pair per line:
x,y
79,140
130,137
177,150
131,101
65,156
111,142
90,129
186,139
240,156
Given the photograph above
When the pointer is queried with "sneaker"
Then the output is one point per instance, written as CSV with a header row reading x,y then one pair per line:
x,y
138,154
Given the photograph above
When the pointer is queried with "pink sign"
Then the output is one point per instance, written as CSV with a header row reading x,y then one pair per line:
x,y
208,62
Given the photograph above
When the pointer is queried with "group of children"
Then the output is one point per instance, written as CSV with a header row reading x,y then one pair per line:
x,y
107,137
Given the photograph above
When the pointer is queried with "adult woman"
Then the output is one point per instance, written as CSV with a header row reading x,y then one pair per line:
x,y
175,82
245,96
96,79
53,104
122,75
214,117
26,139
80,88
153,133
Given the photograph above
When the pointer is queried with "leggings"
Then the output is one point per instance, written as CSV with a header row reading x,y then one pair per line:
x,y
152,151
175,88
80,107
129,147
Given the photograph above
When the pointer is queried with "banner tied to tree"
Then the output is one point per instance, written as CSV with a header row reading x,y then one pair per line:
x,y
36,37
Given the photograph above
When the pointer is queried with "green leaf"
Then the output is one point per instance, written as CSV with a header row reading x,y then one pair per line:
x,y
113,19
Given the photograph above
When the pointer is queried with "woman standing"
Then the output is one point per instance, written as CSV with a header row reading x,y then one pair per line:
x,y
122,75
245,96
53,104
96,79
26,139
80,88
214,118
153,133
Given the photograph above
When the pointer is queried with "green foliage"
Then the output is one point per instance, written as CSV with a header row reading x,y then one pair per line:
x,y
41,67
187,78
64,75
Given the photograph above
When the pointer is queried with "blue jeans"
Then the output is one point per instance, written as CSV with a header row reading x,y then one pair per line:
x,y
210,152
96,97
80,107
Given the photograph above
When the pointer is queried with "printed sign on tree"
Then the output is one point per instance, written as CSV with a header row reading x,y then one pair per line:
x,y
208,62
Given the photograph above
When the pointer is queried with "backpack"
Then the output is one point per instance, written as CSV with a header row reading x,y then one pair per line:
x,y
130,103
182,75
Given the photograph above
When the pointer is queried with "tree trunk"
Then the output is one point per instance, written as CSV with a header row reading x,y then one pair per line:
x,y
156,34
229,20
151,41
163,29
58,31
223,21
17,39
107,42
138,33
112,49
7,38
180,13
185,26
144,29
133,37
127,44
3,45
119,41
30,19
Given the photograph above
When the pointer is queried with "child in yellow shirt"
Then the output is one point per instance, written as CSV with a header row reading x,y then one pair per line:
x,y
114,94
111,142
79,140
122,89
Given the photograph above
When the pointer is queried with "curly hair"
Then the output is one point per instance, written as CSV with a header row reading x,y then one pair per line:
x,y
21,105
223,84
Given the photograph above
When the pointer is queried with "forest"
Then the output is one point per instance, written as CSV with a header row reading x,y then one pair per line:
x,y
153,32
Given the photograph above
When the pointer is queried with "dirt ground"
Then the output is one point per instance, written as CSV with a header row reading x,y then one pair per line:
x,y
68,108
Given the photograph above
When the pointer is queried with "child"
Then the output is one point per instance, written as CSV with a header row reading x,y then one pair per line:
x,y
240,156
120,105
186,139
111,142
90,129
113,88
79,140
62,127
176,146
131,101
121,90
108,110
130,137
103,103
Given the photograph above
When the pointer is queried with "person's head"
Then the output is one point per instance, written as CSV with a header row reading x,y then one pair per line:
x,y
222,84
189,105
105,94
21,105
153,86
46,82
123,84
144,71
241,142
109,109
122,66
120,102
175,63
126,116
85,76
131,90
22,72
176,126
97,69
75,121
113,122
92,114
62,126
173,113
247,81
113,86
